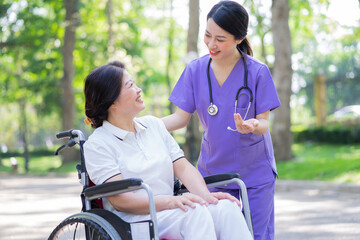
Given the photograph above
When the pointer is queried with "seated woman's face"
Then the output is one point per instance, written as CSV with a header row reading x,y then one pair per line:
x,y
129,102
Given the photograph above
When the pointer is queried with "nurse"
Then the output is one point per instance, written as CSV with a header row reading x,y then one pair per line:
x,y
233,94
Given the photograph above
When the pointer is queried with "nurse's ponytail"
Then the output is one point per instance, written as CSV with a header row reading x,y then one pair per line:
x,y
245,47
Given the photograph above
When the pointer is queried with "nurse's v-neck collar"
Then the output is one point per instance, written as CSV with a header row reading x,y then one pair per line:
x,y
121,133
213,78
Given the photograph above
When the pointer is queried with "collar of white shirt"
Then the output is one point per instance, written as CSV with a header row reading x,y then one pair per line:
x,y
121,133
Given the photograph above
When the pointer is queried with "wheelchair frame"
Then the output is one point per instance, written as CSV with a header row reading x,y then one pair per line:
x,y
103,224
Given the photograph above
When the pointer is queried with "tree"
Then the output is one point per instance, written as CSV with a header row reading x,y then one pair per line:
x,y
318,46
27,57
53,65
68,105
282,74
171,34
262,29
111,40
193,135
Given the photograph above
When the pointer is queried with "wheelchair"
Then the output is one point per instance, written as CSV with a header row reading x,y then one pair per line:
x,y
94,222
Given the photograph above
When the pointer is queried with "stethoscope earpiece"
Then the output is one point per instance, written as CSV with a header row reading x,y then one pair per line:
x,y
229,128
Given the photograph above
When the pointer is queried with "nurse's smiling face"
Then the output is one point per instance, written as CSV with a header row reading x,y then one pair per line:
x,y
220,43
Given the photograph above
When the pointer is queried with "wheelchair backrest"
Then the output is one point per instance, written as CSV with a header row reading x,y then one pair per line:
x,y
77,137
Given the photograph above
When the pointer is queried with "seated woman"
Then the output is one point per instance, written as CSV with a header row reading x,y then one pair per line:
x,y
123,146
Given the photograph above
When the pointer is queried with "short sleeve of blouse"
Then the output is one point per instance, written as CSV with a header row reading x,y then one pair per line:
x,y
183,92
266,95
100,162
174,150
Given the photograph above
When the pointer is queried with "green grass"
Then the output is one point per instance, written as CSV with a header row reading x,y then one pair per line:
x,y
324,162
39,166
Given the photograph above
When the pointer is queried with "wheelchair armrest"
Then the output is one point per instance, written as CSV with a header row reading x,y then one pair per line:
x,y
216,178
121,186
220,177
113,188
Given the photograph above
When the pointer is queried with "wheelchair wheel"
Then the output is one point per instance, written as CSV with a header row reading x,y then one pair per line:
x,y
85,225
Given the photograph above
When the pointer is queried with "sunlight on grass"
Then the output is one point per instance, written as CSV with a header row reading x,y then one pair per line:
x,y
323,162
351,176
45,164
338,163
37,165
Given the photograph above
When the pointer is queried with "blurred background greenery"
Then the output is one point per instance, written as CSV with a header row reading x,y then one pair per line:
x,y
48,47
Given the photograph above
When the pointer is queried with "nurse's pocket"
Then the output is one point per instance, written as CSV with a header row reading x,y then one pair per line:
x,y
251,157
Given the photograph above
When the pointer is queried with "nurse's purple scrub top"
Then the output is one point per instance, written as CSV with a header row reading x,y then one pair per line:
x,y
222,150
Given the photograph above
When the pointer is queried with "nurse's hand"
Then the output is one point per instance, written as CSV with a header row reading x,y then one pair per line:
x,y
222,195
247,126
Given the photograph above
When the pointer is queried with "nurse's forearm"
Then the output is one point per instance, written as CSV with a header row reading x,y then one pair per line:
x,y
177,120
170,122
262,128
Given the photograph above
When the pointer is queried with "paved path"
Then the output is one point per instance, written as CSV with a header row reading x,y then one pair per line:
x,y
32,206
317,211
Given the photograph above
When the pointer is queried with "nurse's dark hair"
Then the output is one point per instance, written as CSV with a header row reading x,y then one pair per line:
x,y
102,88
233,18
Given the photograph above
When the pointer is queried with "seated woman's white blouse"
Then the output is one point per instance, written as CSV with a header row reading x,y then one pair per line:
x,y
149,154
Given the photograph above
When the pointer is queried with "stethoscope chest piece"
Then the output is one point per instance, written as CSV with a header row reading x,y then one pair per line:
x,y
213,109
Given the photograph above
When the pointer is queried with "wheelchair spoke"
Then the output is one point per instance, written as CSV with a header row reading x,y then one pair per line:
x,y
79,229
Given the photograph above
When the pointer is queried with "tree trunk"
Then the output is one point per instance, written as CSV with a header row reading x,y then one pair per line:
x,y
261,28
282,74
111,40
169,59
68,104
320,98
193,135
23,132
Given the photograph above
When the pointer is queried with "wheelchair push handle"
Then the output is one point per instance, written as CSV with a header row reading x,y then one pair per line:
x,y
71,134
64,134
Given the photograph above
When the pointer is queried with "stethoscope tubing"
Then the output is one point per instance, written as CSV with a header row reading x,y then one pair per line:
x,y
212,110
209,82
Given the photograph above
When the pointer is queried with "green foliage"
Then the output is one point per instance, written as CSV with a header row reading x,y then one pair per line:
x,y
41,132
31,64
31,58
326,162
41,152
140,42
338,134
38,165
323,46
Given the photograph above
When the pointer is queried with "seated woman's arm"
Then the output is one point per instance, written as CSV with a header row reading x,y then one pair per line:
x,y
195,183
139,204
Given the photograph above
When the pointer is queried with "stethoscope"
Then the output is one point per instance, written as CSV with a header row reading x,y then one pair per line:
x,y
213,109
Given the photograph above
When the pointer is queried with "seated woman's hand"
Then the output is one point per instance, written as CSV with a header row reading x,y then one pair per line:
x,y
181,201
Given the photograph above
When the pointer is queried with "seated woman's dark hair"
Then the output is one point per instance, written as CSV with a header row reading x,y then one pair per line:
x,y
102,88
233,18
